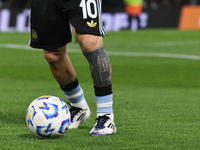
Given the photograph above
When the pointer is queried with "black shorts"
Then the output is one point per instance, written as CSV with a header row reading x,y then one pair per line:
x,y
50,21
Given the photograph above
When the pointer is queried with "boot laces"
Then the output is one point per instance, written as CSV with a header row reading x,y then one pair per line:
x,y
74,111
101,120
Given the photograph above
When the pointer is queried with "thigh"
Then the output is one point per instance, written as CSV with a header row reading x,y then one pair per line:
x,y
86,17
49,27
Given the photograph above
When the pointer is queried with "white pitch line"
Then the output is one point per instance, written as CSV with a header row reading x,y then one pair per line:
x,y
176,43
163,55
111,53
17,46
159,44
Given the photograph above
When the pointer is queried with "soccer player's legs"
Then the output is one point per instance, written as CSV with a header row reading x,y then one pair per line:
x,y
89,31
60,65
50,31
63,71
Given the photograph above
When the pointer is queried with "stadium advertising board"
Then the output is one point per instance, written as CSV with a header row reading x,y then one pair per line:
x,y
190,18
14,20
17,20
163,17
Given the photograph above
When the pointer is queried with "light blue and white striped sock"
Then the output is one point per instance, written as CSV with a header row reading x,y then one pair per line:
x,y
76,97
104,105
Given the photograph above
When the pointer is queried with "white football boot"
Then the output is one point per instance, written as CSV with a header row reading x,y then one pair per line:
x,y
103,126
78,115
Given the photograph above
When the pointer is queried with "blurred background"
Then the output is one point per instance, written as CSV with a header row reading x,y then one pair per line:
x,y
117,14
153,4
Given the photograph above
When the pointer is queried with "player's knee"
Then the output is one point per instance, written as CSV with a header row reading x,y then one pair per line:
x,y
50,57
54,56
89,43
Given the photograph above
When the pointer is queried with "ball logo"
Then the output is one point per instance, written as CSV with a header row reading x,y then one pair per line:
x,y
39,119
55,100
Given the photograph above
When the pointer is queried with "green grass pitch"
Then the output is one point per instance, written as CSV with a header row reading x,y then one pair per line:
x,y
156,85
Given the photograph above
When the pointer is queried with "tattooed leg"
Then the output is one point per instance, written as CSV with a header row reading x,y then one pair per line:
x,y
100,67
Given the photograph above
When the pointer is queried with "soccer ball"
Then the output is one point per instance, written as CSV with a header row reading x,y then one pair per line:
x,y
48,116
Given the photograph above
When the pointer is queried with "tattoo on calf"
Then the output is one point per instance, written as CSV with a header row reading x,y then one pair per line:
x,y
100,67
